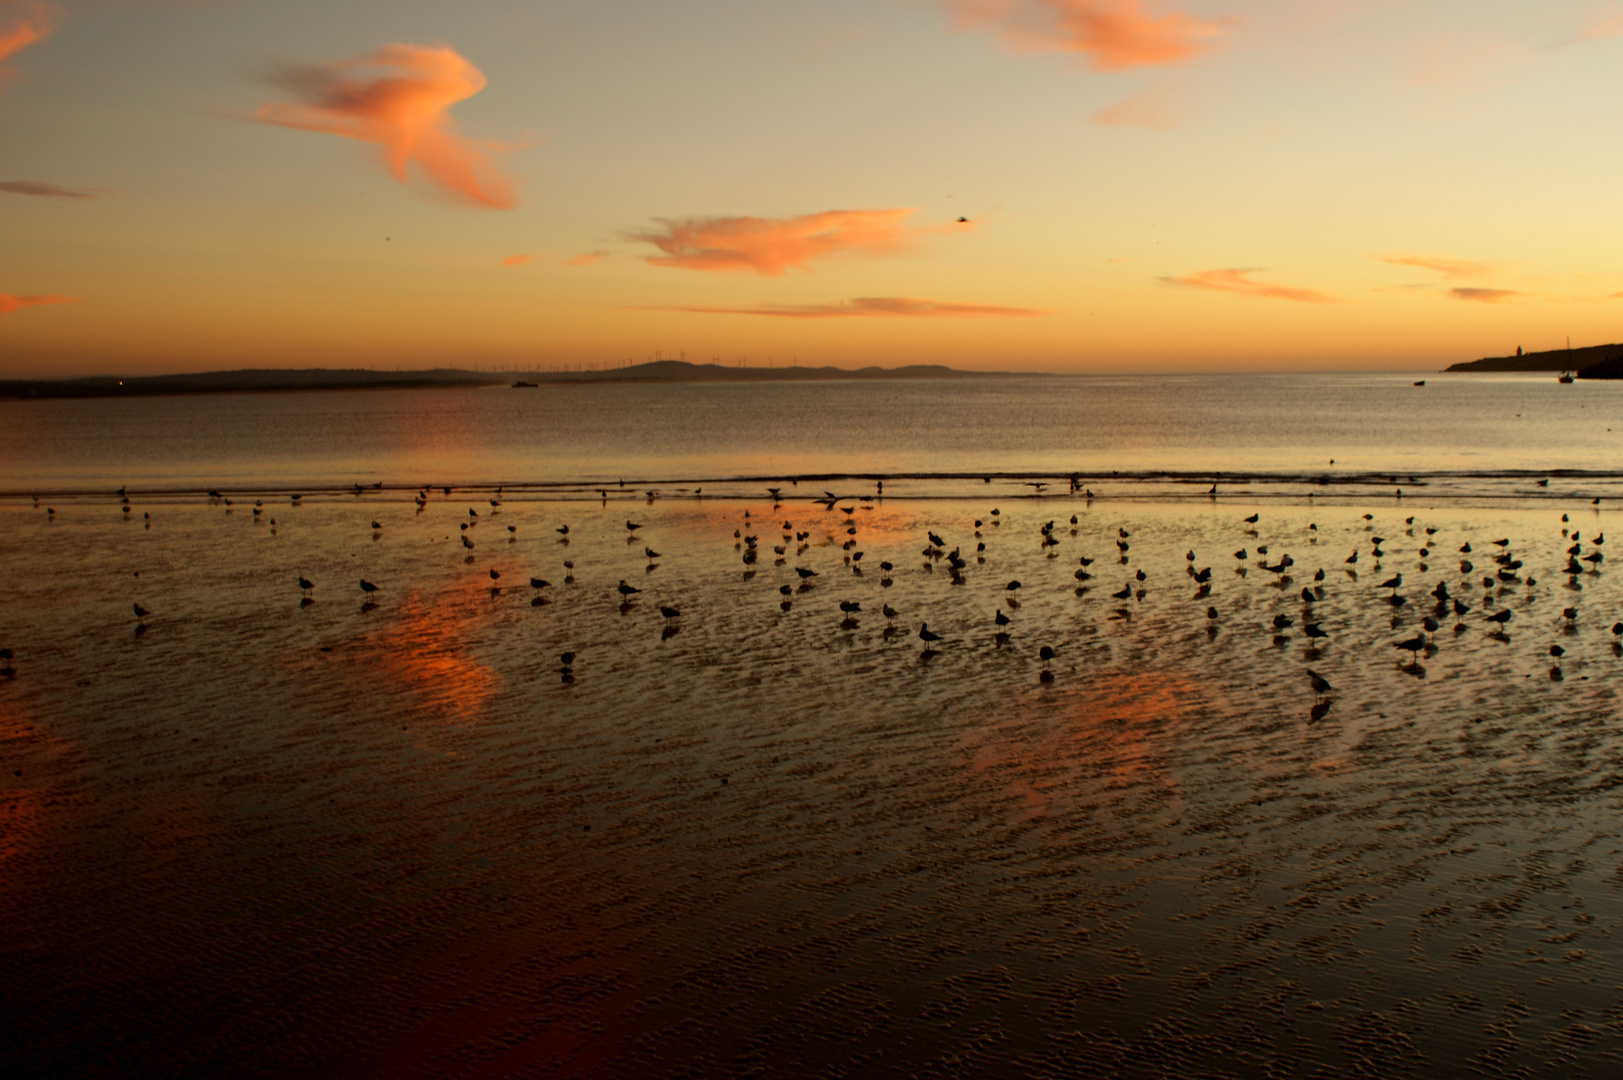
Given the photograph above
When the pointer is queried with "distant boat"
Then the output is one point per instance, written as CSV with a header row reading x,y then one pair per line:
x,y
1564,377
1422,382
521,382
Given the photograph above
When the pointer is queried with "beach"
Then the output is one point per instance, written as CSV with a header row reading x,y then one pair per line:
x,y
394,833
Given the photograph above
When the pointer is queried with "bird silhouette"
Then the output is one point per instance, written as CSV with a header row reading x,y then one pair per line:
x,y
368,587
926,634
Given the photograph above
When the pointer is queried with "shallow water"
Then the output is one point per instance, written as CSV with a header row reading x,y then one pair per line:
x,y
261,838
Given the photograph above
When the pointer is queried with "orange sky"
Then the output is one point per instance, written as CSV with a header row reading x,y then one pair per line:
x,y
1063,185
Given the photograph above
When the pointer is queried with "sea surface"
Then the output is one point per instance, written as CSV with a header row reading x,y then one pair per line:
x,y
780,830
1325,427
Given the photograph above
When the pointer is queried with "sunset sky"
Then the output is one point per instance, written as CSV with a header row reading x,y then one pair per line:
x,y
1149,185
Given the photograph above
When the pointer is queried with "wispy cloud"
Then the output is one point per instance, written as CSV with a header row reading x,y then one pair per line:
x,y
515,260
771,246
587,259
873,307
1608,25
9,303
51,191
1485,296
23,23
1152,107
1113,34
1449,268
1235,281
399,98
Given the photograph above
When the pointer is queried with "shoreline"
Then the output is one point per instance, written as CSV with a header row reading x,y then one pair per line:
x,y
308,380
1139,485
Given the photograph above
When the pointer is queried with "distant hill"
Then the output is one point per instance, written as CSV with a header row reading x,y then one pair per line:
x,y
1578,360
259,380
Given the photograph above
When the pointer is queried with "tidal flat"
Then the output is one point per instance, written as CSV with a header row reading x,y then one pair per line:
x,y
264,831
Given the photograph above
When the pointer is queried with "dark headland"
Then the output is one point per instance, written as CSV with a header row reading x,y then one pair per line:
x,y
260,380
1590,362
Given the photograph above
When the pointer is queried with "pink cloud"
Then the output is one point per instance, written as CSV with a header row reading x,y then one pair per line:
x,y
1485,296
1113,34
515,260
23,23
1236,282
1153,107
770,246
874,307
587,259
9,303
51,191
399,99
1449,268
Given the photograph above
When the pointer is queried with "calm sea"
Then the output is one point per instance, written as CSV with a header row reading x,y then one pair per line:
x,y
1290,424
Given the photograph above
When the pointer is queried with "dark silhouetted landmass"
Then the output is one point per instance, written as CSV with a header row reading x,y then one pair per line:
x,y
259,380
1589,362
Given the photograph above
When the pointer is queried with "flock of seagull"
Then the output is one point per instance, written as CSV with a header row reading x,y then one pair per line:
x,y
1502,571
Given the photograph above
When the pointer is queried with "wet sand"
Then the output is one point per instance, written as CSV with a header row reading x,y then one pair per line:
x,y
260,838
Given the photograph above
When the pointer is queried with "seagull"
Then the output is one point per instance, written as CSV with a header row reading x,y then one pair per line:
x,y
1414,644
630,527
627,590
925,635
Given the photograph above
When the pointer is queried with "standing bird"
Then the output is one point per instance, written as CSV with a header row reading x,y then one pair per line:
x,y
1312,631
306,585
926,635
669,612
367,587
1413,645
1321,685
627,591
140,612
631,527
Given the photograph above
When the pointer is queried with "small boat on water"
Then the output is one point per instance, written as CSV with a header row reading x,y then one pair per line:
x,y
521,382
1564,377
1420,382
